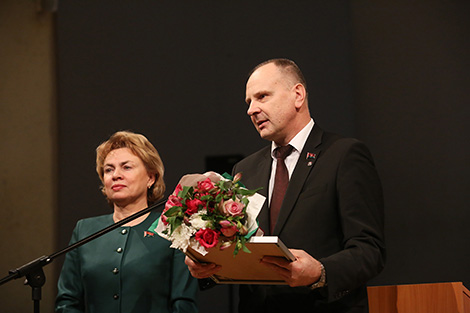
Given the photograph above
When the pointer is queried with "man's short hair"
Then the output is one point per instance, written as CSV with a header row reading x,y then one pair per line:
x,y
287,66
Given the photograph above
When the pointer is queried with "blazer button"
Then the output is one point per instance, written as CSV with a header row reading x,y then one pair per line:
x,y
119,250
116,296
115,270
124,231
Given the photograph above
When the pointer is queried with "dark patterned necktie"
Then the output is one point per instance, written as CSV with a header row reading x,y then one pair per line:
x,y
281,181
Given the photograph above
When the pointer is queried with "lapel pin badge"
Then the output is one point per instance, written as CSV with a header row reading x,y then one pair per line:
x,y
148,233
310,157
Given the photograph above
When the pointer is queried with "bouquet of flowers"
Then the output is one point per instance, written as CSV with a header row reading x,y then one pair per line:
x,y
209,210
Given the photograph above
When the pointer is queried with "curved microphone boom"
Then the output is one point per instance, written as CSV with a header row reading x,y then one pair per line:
x,y
33,270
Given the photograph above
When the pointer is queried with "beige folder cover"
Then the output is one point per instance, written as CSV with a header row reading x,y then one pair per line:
x,y
245,268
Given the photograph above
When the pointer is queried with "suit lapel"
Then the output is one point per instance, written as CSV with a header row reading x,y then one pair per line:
x,y
306,162
261,179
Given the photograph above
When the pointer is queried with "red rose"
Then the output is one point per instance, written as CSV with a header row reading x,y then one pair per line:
x,y
208,238
172,201
205,186
164,219
193,206
228,228
177,189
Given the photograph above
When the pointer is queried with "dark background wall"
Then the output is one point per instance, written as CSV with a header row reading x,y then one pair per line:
x,y
393,75
411,99
177,72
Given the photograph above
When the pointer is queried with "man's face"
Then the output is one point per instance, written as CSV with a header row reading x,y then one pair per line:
x,y
271,101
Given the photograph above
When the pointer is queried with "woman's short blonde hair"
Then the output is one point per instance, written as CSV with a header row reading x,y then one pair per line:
x,y
142,148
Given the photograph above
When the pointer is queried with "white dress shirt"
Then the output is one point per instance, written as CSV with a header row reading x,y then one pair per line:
x,y
298,142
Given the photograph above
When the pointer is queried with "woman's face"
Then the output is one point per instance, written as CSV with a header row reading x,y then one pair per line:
x,y
125,178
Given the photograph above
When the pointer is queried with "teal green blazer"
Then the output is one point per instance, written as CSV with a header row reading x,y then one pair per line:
x,y
124,271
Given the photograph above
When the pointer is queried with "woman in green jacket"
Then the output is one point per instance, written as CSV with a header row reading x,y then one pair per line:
x,y
126,270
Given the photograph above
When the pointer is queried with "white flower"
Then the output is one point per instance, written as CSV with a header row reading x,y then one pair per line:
x,y
180,237
196,220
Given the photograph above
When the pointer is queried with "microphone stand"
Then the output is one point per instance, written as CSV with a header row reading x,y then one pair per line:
x,y
33,270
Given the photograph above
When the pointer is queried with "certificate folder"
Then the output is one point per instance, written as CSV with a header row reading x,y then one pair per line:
x,y
245,268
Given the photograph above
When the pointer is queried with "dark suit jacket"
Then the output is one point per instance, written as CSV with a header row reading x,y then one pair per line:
x,y
333,209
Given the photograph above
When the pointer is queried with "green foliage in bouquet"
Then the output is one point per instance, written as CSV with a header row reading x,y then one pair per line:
x,y
210,212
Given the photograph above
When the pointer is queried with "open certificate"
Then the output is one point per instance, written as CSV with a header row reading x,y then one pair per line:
x,y
245,268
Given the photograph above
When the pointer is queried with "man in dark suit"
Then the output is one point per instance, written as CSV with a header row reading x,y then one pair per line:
x,y
331,214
